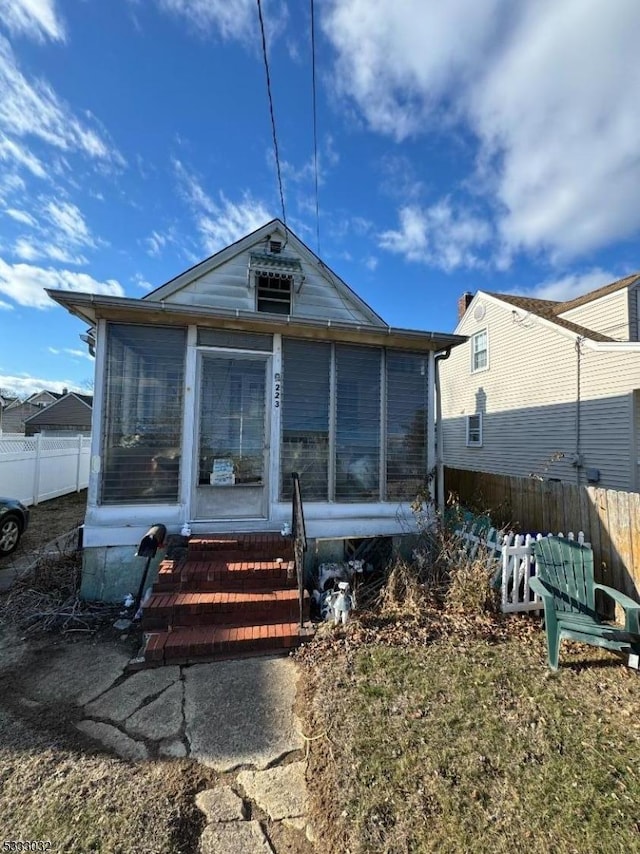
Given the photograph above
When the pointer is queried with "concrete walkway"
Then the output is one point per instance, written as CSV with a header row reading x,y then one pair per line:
x,y
231,716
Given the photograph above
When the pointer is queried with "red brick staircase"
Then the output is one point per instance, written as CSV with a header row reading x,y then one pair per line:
x,y
231,595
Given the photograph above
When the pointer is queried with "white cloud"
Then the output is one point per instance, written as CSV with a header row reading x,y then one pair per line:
x,y
371,263
69,222
438,236
27,250
34,109
230,19
19,155
142,283
21,216
155,243
35,18
5,306
549,91
571,286
25,284
25,385
223,222
70,351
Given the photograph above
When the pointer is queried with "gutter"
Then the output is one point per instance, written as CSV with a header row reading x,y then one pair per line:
x,y
90,306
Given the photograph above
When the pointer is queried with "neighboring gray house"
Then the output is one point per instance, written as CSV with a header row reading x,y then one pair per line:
x,y
211,390
15,414
68,416
545,388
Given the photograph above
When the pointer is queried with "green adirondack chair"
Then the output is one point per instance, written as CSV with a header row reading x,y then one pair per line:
x,y
566,586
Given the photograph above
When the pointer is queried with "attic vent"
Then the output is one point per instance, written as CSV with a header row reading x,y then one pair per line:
x,y
274,293
275,246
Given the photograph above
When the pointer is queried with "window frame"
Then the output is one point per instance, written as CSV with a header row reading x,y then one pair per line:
x,y
474,353
264,274
470,429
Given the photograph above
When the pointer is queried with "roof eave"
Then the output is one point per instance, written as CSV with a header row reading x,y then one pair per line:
x,y
92,307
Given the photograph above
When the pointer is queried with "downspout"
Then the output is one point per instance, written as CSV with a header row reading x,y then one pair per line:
x,y
577,458
439,357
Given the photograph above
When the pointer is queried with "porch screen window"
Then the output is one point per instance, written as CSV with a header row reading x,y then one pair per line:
x,y
407,397
142,422
337,434
357,423
305,417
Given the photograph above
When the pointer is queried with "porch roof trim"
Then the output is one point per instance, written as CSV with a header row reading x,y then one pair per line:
x,y
94,307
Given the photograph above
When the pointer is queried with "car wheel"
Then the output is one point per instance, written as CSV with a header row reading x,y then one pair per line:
x,y
10,530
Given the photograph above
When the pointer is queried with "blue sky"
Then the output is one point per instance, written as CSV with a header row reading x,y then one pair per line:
x,y
461,146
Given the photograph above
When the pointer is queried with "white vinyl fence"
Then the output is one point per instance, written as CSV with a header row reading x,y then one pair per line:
x,y
511,561
36,468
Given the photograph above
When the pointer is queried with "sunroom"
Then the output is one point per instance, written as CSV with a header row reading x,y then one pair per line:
x,y
203,410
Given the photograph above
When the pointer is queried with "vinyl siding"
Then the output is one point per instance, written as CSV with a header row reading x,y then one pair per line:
x,y
227,287
608,315
528,400
69,411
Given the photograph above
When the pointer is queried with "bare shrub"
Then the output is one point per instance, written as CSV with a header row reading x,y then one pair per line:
x,y
469,591
48,599
404,593
442,572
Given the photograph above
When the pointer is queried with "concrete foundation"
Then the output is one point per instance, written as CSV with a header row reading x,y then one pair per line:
x,y
109,573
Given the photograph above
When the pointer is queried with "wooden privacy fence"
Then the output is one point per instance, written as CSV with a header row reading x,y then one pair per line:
x,y
610,519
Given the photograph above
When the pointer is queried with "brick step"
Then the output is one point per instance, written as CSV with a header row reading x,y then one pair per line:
x,y
213,576
232,555
187,608
265,546
191,644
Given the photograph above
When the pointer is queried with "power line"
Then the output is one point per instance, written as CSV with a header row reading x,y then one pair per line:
x,y
315,121
273,120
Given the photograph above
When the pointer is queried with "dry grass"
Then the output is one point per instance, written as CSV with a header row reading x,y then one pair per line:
x,y
462,743
56,789
443,730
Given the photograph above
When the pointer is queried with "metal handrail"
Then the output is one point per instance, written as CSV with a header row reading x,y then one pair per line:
x,y
299,534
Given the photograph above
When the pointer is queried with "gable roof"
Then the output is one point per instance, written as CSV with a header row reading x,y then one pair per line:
x,y
547,310
262,234
43,413
604,291
554,309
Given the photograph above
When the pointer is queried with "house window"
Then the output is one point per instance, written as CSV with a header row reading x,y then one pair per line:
x,y
142,426
479,351
273,293
474,430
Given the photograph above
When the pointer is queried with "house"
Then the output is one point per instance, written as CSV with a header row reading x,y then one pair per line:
x,y
70,415
547,388
255,363
15,414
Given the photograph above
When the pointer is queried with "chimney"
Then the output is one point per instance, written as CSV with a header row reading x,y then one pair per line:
x,y
463,304
65,390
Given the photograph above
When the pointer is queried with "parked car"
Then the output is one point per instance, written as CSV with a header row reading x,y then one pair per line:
x,y
14,518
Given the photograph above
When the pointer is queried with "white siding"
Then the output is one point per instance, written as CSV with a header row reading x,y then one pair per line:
x,y
227,287
528,399
608,315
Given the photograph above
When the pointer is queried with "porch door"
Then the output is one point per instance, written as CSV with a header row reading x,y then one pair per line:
x,y
232,447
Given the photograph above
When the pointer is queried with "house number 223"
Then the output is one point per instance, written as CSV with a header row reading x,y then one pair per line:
x,y
277,383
